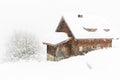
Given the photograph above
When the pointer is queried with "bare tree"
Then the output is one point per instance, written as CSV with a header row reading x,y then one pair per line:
x,y
22,46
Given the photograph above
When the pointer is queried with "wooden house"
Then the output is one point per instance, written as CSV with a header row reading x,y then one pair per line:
x,y
80,39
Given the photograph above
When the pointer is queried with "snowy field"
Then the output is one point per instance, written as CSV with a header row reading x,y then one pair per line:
x,y
96,65
41,17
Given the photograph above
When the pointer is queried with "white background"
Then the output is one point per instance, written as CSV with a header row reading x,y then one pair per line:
x,y
35,16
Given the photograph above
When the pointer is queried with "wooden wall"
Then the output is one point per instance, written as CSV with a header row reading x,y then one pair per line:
x,y
63,27
62,51
76,47
86,45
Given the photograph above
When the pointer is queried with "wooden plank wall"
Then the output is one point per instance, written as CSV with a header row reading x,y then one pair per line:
x,y
76,47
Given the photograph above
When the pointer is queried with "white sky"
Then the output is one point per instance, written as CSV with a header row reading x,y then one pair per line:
x,y
45,8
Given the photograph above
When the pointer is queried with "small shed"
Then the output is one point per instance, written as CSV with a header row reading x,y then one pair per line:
x,y
57,46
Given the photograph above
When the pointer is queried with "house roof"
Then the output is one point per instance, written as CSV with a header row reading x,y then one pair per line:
x,y
55,38
77,25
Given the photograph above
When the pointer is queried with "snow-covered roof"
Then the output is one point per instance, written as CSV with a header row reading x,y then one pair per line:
x,y
77,25
55,38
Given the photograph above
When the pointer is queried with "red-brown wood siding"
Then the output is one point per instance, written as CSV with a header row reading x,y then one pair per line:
x,y
63,27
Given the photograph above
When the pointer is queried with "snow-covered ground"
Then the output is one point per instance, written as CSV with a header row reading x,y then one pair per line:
x,y
96,65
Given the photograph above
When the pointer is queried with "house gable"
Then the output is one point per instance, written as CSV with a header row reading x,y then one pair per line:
x,y
63,27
